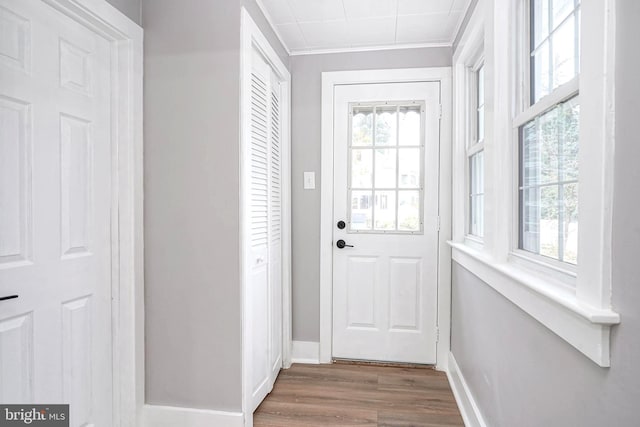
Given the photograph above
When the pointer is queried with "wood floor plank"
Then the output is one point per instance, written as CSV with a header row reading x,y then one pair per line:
x,y
284,414
407,419
359,395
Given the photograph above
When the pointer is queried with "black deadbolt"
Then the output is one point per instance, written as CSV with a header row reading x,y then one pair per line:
x,y
341,225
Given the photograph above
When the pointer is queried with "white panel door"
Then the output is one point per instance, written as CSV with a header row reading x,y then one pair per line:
x,y
265,251
55,212
385,262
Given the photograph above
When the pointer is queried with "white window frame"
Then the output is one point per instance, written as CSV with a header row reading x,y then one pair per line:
x,y
474,144
467,60
563,272
580,313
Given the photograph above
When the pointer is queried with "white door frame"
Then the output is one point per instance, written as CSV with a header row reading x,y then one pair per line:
x,y
329,81
252,38
127,286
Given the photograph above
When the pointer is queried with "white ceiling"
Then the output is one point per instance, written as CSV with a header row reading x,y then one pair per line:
x,y
321,25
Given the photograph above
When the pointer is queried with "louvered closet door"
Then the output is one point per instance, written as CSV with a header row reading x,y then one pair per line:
x,y
275,239
265,276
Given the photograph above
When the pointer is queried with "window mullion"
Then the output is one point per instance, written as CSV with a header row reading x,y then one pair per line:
x,y
475,148
559,95
397,165
373,169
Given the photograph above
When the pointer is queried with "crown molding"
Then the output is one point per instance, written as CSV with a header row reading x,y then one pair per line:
x,y
354,49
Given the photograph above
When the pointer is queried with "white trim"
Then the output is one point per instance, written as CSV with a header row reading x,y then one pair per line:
x,y
461,21
329,81
269,19
368,48
597,146
126,39
557,96
252,38
305,352
465,57
469,409
583,326
170,416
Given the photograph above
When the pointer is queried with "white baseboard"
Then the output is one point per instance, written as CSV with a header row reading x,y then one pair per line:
x,y
170,416
305,352
466,403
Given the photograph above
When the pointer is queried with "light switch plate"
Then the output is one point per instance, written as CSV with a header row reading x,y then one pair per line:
x,y
309,180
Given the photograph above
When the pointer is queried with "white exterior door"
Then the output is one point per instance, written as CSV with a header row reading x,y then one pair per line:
x,y
55,212
265,229
385,239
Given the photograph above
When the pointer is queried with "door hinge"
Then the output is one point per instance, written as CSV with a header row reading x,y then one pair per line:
x,y
437,335
439,111
438,224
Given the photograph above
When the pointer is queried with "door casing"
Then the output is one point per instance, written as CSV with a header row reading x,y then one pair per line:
x,y
329,81
127,285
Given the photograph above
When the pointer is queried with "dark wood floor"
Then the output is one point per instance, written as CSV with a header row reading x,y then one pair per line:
x,y
359,395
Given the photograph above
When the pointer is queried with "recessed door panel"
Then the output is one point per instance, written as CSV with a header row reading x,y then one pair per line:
x,y
77,359
15,180
16,359
362,276
405,294
75,181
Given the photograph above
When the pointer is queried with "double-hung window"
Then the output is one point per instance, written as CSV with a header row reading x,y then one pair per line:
x,y
475,153
549,161
548,134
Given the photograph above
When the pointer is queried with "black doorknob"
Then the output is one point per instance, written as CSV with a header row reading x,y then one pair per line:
x,y
8,297
342,244
341,225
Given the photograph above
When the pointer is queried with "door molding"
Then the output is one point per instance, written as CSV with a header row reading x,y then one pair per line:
x,y
252,38
336,78
127,284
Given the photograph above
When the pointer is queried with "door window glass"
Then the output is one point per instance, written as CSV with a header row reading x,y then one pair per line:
x,y
386,151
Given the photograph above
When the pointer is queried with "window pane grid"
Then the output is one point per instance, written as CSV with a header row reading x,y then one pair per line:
x,y
554,45
476,194
548,187
480,104
475,157
385,162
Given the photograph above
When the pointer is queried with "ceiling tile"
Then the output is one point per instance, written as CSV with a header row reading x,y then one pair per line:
x,y
357,9
419,7
323,35
338,24
279,11
317,10
373,31
432,28
292,36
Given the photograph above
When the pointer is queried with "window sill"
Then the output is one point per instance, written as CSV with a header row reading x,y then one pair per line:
x,y
585,327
